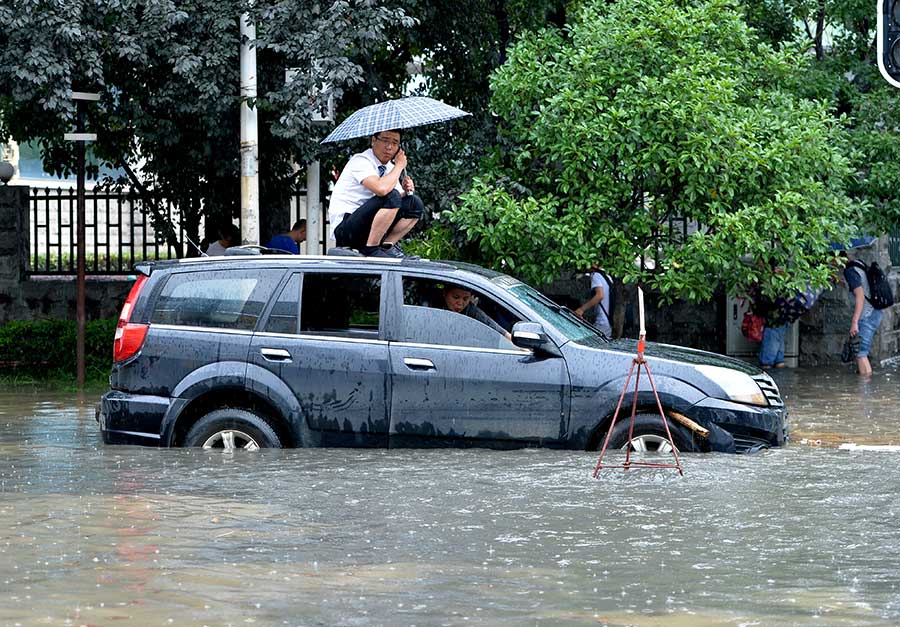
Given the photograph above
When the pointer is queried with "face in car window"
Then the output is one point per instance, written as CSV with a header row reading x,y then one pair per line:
x,y
457,298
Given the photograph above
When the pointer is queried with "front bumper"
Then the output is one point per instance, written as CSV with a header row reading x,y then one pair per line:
x,y
751,427
131,418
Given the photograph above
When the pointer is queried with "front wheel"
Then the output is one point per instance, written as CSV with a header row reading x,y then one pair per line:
x,y
231,429
649,435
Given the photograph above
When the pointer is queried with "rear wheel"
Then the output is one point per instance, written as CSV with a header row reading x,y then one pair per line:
x,y
231,429
649,435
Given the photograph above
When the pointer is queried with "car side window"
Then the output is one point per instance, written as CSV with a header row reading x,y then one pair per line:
x,y
340,304
283,317
215,299
428,316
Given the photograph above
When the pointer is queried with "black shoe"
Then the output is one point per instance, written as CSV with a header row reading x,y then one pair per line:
x,y
399,251
378,251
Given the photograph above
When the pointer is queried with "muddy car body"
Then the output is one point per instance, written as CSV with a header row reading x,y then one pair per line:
x,y
283,350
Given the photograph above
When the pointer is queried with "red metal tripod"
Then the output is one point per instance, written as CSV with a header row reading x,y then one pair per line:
x,y
639,362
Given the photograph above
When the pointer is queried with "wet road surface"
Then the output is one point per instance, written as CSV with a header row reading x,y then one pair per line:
x,y
100,535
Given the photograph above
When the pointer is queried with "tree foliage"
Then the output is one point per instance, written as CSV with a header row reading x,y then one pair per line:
x,y
168,73
840,36
663,130
448,54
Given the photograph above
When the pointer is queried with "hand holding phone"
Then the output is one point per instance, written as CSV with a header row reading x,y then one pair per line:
x,y
400,159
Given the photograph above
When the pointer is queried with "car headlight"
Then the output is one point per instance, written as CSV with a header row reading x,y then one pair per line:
x,y
738,387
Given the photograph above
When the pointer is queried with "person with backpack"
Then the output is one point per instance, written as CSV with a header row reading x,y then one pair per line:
x,y
871,294
601,299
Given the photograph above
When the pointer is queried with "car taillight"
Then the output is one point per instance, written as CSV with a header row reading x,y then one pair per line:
x,y
129,336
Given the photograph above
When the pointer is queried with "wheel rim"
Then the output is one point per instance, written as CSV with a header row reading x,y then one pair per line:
x,y
649,444
231,440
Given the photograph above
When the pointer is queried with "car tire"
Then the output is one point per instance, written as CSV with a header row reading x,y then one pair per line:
x,y
649,435
231,429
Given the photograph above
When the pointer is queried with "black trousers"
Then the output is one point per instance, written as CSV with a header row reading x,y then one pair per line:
x,y
353,231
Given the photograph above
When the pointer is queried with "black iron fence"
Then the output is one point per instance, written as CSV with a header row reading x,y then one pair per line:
x,y
119,231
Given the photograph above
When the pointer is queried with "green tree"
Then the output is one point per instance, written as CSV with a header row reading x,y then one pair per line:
x,y
840,35
451,51
168,75
662,130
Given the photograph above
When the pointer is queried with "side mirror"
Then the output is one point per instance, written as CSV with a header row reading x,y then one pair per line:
x,y
531,336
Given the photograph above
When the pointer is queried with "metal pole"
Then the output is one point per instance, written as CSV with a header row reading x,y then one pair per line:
x,y
79,281
313,210
249,136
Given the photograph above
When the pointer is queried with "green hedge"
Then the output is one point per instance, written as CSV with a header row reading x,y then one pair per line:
x,y
46,348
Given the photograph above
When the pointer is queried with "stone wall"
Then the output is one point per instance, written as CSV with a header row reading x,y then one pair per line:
x,y
23,298
824,328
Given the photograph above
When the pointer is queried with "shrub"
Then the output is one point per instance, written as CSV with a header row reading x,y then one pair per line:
x,y
47,348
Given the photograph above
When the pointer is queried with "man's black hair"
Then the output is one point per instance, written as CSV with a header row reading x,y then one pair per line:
x,y
299,224
230,231
399,132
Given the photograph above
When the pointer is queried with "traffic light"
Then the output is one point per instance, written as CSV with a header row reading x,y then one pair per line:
x,y
889,40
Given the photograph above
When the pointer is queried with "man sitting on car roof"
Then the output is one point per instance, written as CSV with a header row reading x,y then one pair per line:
x,y
370,209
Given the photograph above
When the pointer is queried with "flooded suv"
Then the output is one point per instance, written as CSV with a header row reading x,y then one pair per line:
x,y
283,351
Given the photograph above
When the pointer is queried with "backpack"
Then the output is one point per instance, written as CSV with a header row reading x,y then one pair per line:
x,y
880,294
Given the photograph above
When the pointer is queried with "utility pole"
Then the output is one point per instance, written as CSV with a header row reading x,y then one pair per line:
x,y
80,137
249,136
313,210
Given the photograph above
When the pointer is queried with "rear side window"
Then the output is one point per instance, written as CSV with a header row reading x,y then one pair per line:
x,y
217,299
283,317
340,304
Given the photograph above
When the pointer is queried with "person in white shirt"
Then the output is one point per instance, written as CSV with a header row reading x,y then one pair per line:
x,y
229,235
600,298
371,209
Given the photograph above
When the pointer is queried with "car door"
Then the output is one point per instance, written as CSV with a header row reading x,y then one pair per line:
x,y
329,351
456,380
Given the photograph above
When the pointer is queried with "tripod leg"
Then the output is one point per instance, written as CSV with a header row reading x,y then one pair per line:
x,y
637,382
664,419
615,416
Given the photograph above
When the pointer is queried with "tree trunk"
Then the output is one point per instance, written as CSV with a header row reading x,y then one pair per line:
x,y
618,312
820,29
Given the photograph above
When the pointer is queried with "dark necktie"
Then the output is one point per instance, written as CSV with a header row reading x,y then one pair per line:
x,y
381,170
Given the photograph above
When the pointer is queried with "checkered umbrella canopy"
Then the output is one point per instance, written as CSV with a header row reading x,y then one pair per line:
x,y
391,114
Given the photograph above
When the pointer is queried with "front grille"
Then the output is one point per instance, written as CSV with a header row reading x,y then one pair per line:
x,y
769,389
744,444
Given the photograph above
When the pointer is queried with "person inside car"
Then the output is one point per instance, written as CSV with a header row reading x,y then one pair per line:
x,y
460,300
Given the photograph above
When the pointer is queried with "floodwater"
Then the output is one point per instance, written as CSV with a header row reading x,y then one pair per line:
x,y
101,535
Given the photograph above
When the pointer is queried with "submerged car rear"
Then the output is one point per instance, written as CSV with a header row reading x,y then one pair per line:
x,y
196,326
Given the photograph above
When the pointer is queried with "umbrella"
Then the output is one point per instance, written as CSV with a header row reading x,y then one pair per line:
x,y
401,113
857,242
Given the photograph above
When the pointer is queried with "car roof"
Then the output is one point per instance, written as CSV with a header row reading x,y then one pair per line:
x,y
288,261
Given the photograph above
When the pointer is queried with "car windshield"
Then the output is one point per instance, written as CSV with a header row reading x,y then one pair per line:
x,y
562,318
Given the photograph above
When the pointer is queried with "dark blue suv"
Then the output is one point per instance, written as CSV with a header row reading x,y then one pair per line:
x,y
250,351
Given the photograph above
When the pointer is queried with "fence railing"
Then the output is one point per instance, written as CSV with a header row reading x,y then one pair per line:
x,y
119,231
